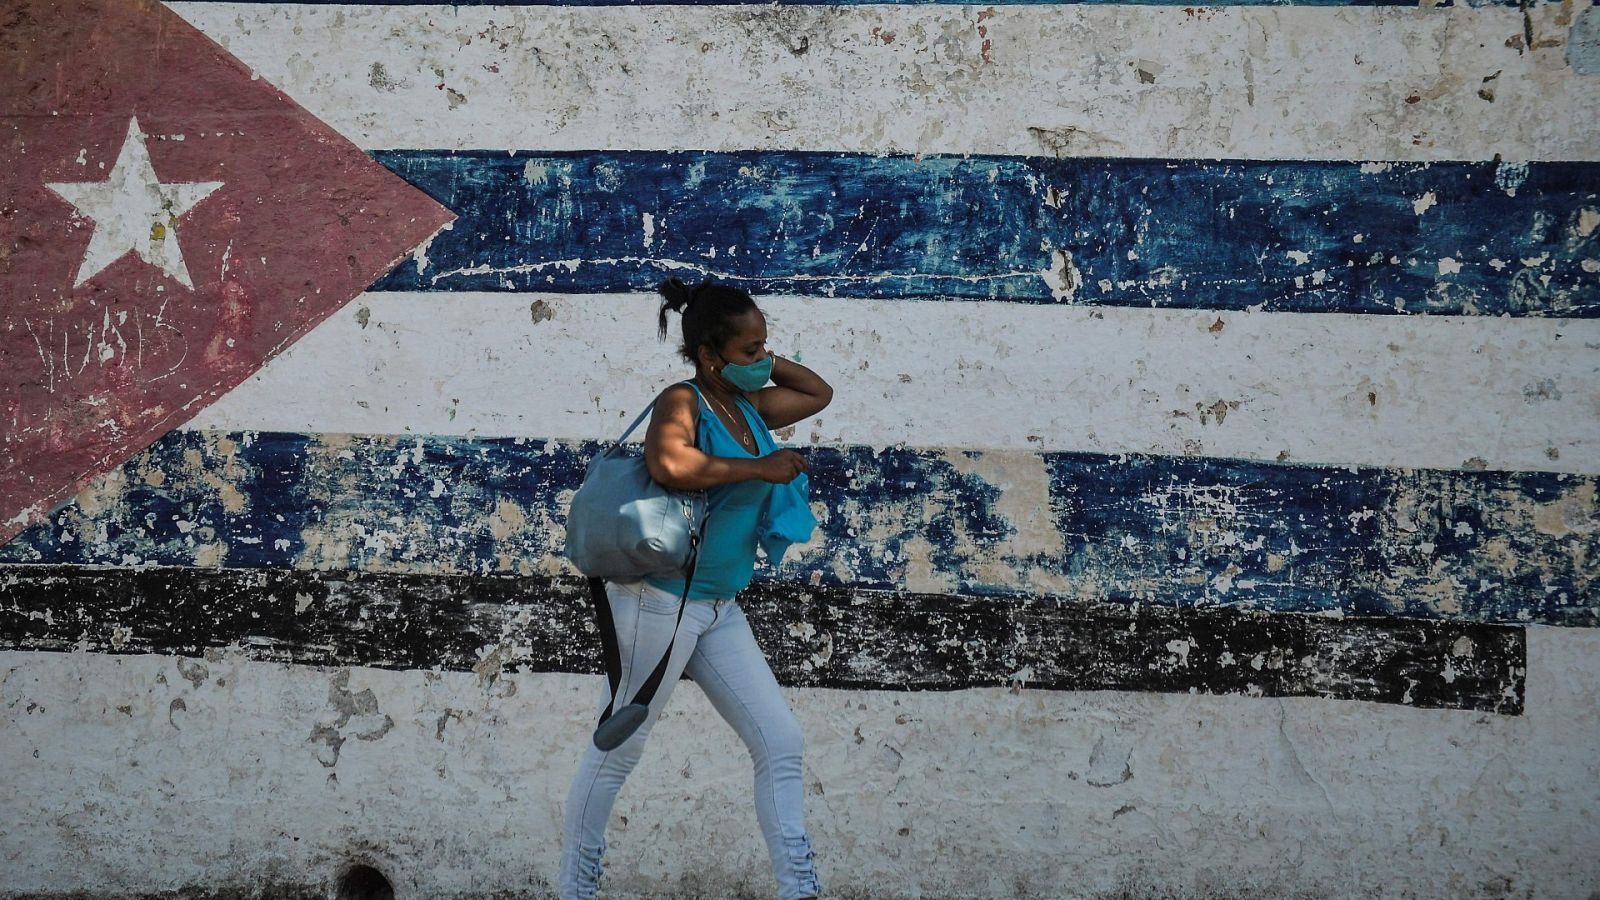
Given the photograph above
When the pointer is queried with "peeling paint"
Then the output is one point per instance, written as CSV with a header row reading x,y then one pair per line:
x,y
1481,545
1057,655
600,78
973,227
829,637
1583,42
156,283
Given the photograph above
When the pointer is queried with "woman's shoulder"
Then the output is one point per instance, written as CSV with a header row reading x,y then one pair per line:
x,y
676,394
677,399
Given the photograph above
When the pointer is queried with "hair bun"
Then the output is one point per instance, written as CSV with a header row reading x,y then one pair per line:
x,y
710,312
676,297
677,294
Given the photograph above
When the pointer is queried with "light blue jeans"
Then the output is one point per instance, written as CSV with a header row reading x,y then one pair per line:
x,y
718,651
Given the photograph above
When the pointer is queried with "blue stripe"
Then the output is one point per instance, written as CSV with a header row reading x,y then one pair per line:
x,y
1300,236
1479,546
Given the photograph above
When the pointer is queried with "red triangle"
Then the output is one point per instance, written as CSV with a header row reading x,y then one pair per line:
x,y
303,222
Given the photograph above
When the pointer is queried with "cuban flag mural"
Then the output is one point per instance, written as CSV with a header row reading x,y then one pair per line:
x,y
1207,507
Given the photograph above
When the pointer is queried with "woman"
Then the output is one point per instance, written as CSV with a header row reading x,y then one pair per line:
x,y
712,434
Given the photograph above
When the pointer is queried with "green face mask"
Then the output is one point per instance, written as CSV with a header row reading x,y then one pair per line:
x,y
752,377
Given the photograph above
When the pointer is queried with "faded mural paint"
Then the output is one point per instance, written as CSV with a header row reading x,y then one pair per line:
x,y
1347,82
1440,238
1478,546
1583,42
818,637
1027,662
1060,794
136,277
1333,389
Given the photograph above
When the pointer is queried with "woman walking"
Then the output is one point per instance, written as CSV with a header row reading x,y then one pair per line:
x,y
712,434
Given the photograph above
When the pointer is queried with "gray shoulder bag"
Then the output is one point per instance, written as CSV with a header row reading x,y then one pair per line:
x,y
624,525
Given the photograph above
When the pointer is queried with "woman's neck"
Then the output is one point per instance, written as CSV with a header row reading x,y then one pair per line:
x,y
707,387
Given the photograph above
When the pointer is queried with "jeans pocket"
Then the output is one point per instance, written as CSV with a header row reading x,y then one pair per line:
x,y
655,600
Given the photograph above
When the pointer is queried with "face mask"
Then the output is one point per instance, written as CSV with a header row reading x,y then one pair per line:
x,y
752,377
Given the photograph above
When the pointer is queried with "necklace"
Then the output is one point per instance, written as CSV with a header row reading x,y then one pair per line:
x,y
748,439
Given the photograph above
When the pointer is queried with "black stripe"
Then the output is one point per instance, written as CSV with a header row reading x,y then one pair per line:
x,y
814,637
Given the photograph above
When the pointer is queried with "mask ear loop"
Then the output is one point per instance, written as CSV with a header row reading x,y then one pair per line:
x,y
725,363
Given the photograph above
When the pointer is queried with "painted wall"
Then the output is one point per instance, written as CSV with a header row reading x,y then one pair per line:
x,y
1208,506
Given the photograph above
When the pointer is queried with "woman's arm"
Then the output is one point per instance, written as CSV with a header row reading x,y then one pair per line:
x,y
796,393
674,461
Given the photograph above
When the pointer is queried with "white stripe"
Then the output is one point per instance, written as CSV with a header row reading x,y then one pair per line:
x,y
463,775
1075,80
1419,391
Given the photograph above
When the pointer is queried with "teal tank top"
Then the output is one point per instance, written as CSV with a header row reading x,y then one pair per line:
x,y
728,553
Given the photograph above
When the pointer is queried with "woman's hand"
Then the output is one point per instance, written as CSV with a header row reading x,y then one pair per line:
x,y
782,466
796,393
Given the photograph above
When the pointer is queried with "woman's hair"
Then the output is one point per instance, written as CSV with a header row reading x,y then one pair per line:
x,y
709,312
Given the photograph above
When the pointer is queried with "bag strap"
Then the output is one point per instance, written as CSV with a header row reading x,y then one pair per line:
x,y
608,640
613,654
647,691
608,627
636,422
647,409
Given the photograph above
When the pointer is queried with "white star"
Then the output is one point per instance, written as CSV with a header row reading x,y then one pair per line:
x,y
134,211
